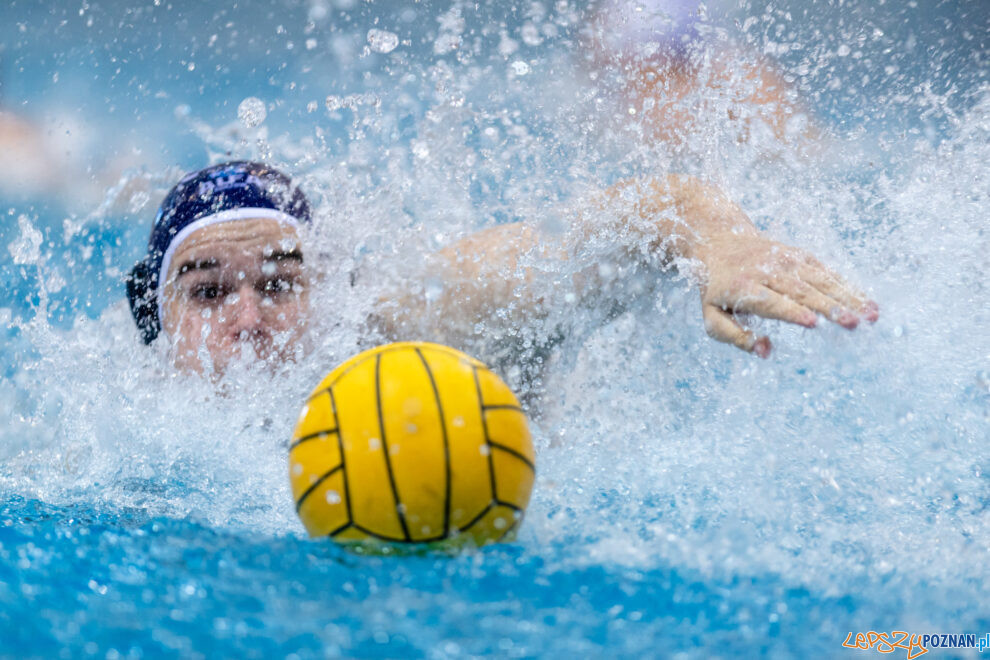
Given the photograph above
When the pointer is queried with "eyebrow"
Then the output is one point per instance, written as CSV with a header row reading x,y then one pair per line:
x,y
208,264
197,264
283,255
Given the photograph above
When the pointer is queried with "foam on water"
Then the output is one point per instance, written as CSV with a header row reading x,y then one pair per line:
x,y
848,463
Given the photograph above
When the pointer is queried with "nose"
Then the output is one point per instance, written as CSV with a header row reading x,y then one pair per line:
x,y
244,313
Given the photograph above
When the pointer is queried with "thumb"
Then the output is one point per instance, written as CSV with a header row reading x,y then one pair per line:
x,y
721,326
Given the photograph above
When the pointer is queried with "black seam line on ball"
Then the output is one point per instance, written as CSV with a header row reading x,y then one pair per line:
x,y
503,406
510,450
510,505
484,426
380,537
471,523
388,462
343,528
471,362
309,491
446,445
391,539
343,458
312,436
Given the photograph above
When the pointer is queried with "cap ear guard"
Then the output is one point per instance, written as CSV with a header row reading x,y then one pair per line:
x,y
141,294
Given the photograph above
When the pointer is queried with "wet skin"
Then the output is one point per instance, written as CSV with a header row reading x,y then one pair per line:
x,y
243,283
233,285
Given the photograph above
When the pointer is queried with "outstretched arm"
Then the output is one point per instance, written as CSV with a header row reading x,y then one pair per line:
x,y
738,270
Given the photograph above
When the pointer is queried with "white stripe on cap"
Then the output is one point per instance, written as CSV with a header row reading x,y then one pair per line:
x,y
246,213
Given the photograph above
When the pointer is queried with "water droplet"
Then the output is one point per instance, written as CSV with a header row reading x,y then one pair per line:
x,y
374,444
297,469
520,68
251,111
531,35
333,497
382,41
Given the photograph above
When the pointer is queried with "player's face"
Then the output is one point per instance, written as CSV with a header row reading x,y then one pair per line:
x,y
235,285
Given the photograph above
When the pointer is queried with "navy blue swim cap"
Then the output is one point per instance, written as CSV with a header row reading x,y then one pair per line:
x,y
222,193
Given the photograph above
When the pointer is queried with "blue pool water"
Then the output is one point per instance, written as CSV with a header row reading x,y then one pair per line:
x,y
691,501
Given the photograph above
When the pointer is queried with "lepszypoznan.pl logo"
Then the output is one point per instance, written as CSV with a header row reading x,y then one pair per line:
x,y
915,645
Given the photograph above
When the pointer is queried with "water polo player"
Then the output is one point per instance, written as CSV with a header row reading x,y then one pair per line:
x,y
224,268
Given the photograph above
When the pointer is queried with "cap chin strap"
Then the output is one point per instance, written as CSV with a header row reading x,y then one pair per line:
x,y
247,213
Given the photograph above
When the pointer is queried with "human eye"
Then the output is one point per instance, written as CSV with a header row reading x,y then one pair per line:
x,y
207,292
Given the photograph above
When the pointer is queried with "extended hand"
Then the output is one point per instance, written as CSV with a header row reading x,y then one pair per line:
x,y
750,274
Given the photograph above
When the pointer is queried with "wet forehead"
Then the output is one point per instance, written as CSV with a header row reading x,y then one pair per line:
x,y
238,241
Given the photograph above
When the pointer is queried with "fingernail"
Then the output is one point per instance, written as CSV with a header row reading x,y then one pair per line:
x,y
848,320
810,320
762,347
871,311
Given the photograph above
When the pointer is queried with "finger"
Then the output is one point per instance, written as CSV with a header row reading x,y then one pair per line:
x,y
831,284
771,305
723,327
807,295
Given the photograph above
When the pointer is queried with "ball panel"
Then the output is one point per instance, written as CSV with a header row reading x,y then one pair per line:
x,y
342,369
494,525
324,508
317,415
406,412
513,478
493,391
310,460
470,484
507,427
428,348
372,496
415,441
350,533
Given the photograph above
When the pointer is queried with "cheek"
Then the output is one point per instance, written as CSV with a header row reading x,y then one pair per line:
x,y
191,325
292,314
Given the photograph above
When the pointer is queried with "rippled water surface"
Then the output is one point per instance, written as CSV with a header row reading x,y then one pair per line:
x,y
690,498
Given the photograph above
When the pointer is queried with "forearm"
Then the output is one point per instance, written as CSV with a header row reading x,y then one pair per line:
x,y
484,277
505,274
672,217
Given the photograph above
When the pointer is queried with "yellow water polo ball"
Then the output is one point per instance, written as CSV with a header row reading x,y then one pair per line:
x,y
412,443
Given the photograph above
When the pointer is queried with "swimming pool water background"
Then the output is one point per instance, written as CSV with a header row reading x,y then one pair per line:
x,y
689,499
148,586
